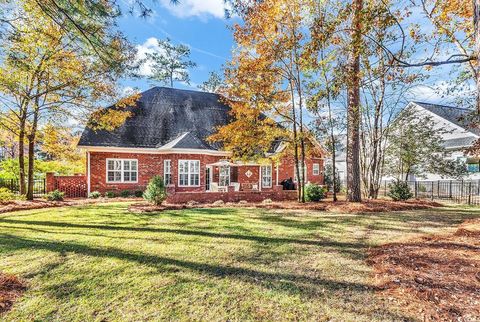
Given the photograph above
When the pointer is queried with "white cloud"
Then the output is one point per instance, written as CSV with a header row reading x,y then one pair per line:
x,y
196,8
149,46
440,92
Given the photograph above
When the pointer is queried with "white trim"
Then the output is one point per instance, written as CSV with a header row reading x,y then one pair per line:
x,y
316,173
188,173
276,177
152,150
88,173
121,171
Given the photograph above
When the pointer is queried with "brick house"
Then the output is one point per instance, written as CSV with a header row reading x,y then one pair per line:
x,y
167,135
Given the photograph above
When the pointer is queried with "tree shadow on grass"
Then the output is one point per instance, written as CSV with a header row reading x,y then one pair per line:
x,y
296,284
256,238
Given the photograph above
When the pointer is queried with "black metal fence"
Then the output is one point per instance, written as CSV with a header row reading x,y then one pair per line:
x,y
39,186
456,191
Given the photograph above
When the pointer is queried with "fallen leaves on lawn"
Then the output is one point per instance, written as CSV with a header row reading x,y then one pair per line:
x,y
435,278
10,289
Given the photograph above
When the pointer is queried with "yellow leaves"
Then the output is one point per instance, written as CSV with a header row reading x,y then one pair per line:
x,y
128,101
108,119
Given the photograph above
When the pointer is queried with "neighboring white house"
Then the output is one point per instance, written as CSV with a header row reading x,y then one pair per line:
x,y
459,137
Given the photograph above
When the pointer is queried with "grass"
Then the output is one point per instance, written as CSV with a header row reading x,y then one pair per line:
x,y
103,263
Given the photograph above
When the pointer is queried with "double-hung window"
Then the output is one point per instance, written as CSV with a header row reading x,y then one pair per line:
x,y
316,169
303,172
266,176
224,176
188,173
167,172
122,170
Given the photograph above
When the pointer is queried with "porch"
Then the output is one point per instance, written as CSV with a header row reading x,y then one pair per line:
x,y
224,176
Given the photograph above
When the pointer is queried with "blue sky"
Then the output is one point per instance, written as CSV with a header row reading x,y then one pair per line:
x,y
202,26
199,24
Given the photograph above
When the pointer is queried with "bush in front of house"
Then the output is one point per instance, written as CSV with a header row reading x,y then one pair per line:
x,y
314,192
138,193
94,195
6,195
156,191
399,191
55,195
110,194
125,193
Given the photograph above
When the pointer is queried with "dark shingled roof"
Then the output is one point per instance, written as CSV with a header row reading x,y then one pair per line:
x,y
450,113
162,116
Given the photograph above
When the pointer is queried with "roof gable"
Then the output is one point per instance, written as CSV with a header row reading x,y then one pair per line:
x,y
451,114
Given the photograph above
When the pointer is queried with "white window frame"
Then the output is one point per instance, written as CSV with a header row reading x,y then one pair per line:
x,y
189,173
305,170
265,175
122,170
169,172
227,176
316,169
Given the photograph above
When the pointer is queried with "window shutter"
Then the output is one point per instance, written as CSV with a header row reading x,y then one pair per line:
x,y
234,174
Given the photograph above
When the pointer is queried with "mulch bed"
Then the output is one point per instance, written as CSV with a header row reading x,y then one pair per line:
x,y
11,288
17,205
326,205
435,278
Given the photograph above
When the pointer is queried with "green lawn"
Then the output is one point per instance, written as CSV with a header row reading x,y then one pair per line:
x,y
103,263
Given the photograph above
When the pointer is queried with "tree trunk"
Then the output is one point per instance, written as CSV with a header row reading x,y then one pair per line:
x,y
31,158
31,154
353,114
476,23
21,159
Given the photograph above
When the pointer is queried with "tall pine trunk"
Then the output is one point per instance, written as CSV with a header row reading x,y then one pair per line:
x,y
476,23
31,158
353,114
21,159
31,155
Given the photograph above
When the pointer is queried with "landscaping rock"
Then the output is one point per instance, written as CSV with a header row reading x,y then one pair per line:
x,y
219,203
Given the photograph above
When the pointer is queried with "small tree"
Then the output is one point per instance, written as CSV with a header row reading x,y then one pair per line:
x,y
213,83
332,181
170,63
415,146
400,191
156,191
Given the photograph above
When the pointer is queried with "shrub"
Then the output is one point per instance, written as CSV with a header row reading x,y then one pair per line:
x,y
125,193
94,195
138,193
110,194
267,201
314,192
55,195
156,191
6,195
399,190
